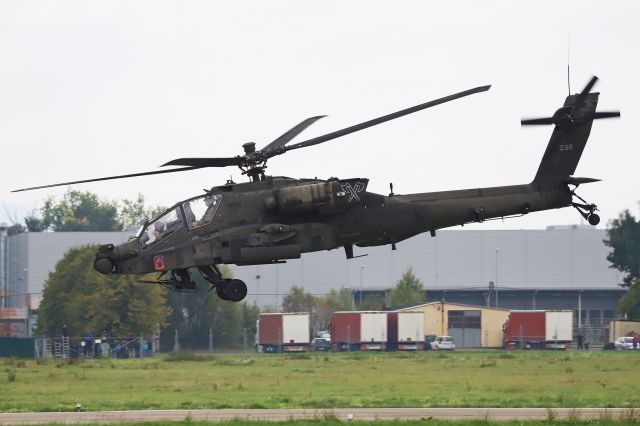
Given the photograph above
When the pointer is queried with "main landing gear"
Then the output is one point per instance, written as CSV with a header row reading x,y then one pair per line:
x,y
227,289
180,280
585,209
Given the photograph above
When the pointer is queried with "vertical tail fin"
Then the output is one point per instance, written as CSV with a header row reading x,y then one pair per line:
x,y
572,128
566,144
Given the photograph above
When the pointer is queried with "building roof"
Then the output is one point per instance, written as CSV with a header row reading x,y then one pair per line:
x,y
462,305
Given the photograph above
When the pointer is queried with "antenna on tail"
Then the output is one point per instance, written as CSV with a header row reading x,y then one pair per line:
x,y
569,64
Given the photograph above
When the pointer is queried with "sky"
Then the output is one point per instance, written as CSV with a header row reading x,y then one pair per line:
x,y
91,89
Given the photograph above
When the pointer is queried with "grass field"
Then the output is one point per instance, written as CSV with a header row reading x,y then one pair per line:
x,y
460,379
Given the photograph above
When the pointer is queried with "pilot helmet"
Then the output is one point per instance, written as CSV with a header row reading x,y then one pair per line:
x,y
210,200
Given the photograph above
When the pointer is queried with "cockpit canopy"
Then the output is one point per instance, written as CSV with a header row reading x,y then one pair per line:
x,y
194,212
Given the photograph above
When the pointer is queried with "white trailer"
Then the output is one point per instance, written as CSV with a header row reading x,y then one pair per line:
x,y
283,332
295,328
373,331
559,326
410,330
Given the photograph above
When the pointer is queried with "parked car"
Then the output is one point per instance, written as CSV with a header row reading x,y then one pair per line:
x,y
625,342
321,344
443,343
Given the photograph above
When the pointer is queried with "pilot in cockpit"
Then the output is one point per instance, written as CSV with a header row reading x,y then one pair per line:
x,y
158,229
212,205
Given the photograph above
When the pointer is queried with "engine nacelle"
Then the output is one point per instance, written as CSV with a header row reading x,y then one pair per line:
x,y
323,197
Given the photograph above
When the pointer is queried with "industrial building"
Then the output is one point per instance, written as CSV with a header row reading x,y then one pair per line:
x,y
556,268
27,260
470,326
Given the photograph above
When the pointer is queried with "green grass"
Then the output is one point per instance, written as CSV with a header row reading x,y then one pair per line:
x,y
460,379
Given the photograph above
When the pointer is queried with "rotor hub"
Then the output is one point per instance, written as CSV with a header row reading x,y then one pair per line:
x,y
249,147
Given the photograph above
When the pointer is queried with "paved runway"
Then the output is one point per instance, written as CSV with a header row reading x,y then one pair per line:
x,y
339,413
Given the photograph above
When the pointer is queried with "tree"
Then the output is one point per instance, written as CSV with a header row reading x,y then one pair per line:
x,y
298,301
408,290
320,308
135,212
76,296
624,238
629,304
84,211
15,229
325,307
77,211
194,314
372,303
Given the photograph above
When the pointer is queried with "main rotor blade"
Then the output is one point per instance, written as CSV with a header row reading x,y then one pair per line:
x,y
291,133
109,178
587,89
379,120
205,162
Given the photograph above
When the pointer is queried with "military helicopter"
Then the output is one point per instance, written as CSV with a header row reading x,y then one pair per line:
x,y
271,219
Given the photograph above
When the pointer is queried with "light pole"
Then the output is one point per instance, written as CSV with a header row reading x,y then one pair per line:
x,y
361,272
496,285
257,288
25,271
277,301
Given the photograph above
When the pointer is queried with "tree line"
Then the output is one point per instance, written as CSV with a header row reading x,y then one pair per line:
x,y
85,212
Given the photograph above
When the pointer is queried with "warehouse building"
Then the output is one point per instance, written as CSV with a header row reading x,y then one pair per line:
x,y
470,326
28,259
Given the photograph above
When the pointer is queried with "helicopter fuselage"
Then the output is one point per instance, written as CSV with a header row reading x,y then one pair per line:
x,y
279,218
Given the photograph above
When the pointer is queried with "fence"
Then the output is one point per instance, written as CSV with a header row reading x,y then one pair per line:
x,y
105,347
172,341
17,347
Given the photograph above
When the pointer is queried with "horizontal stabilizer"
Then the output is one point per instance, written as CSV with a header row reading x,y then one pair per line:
x,y
580,180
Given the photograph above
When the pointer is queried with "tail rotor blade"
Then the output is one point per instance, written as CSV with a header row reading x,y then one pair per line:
x,y
536,121
606,114
587,89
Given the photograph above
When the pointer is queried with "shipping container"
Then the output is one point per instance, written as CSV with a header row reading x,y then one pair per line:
x,y
283,332
352,331
410,331
559,326
539,329
405,331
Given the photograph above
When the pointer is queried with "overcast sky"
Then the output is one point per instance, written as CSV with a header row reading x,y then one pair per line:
x,y
91,89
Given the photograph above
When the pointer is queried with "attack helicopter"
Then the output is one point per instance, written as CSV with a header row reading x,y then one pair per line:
x,y
272,219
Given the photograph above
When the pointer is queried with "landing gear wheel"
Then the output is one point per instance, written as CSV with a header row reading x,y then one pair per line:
x,y
231,290
585,209
594,219
222,289
236,290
